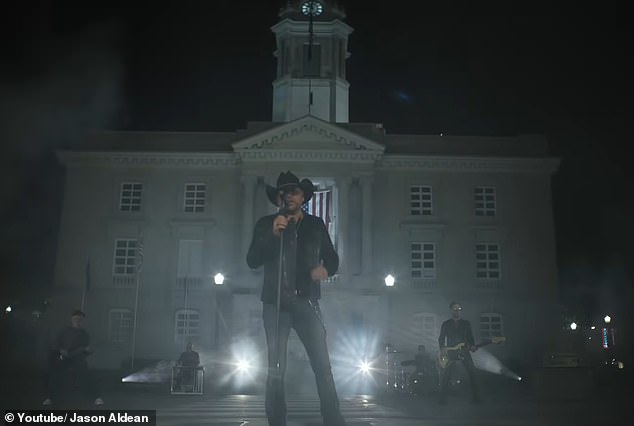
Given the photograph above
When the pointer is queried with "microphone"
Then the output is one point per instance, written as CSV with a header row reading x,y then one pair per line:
x,y
283,209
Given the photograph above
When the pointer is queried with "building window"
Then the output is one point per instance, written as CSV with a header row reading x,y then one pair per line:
x,y
189,270
195,197
423,260
119,325
125,257
130,200
420,200
484,200
187,325
491,325
426,323
488,261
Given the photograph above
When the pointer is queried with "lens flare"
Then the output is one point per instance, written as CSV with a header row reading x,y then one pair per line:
x,y
243,365
365,367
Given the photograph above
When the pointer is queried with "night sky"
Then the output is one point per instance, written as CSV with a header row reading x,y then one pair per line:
x,y
194,66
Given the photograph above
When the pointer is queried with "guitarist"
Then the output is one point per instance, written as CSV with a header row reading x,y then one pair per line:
x,y
68,360
453,332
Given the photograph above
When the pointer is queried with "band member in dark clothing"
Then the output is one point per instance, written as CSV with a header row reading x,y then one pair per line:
x,y
308,257
453,332
67,361
186,366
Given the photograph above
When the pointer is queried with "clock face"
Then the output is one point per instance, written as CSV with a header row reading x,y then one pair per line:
x,y
312,8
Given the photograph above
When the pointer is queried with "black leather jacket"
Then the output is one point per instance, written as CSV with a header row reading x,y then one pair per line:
x,y
313,245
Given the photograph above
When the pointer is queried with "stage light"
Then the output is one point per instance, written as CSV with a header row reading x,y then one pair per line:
x,y
243,365
389,280
593,328
607,319
519,379
219,279
573,326
8,309
364,367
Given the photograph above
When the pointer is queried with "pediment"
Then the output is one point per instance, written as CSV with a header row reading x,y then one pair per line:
x,y
307,134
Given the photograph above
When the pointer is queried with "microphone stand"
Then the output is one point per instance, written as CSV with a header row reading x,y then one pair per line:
x,y
276,334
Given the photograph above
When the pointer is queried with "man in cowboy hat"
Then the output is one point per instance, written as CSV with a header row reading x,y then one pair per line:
x,y
296,244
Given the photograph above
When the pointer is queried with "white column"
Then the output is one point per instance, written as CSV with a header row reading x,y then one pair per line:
x,y
248,183
366,225
343,189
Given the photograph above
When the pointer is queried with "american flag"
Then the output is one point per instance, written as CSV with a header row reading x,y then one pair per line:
x,y
320,205
139,253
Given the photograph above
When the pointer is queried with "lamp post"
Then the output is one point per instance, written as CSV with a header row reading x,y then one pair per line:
x,y
389,281
219,280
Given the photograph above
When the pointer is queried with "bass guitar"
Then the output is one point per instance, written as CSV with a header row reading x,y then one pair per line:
x,y
456,352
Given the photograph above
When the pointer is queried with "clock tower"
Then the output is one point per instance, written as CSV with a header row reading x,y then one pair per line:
x,y
312,48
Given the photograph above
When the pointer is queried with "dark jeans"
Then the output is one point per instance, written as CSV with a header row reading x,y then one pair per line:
x,y
305,317
448,371
65,377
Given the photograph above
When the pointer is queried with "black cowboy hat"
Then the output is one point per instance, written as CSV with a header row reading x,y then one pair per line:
x,y
287,181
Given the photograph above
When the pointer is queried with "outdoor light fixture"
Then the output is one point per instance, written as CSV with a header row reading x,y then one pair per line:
x,y
573,325
389,280
219,279
607,319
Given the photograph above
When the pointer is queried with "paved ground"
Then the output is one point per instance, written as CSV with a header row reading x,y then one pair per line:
x,y
506,403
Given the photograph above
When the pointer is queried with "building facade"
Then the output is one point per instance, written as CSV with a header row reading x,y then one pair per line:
x,y
149,218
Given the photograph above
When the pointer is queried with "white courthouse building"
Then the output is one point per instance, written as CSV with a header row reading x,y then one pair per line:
x,y
150,217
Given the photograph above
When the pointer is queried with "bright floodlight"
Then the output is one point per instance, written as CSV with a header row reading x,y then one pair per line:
x,y
389,280
607,319
573,326
219,279
8,309
243,365
364,367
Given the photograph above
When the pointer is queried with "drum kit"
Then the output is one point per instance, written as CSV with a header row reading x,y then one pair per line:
x,y
402,381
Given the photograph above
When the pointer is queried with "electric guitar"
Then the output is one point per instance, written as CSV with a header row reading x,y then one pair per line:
x,y
456,352
60,356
